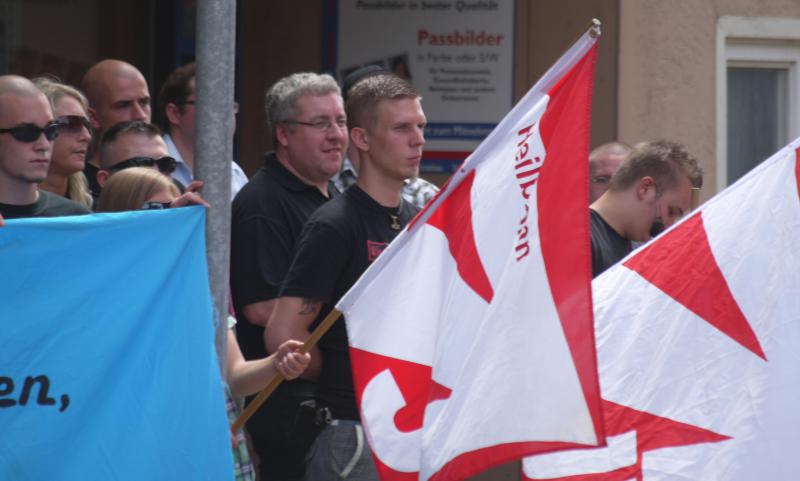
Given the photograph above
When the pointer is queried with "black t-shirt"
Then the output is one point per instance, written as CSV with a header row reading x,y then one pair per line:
x,y
608,247
48,205
339,242
268,215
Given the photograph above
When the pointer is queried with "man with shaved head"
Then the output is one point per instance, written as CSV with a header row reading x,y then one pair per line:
x,y
603,162
117,92
27,131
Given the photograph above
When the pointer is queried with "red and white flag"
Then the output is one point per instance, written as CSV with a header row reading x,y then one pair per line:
x,y
698,340
471,336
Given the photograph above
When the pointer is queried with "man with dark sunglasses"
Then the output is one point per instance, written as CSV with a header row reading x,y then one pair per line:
x,y
27,131
133,144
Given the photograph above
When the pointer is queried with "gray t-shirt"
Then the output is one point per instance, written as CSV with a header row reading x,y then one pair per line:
x,y
48,205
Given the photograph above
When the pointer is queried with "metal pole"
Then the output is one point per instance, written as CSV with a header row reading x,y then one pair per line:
x,y
216,37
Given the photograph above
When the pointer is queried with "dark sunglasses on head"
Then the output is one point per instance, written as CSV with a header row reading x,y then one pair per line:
x,y
31,132
150,205
166,165
72,124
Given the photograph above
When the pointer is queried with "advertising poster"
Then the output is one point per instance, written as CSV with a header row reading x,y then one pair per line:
x,y
458,53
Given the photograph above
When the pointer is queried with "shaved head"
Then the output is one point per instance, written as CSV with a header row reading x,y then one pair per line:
x,y
103,74
603,163
117,92
16,85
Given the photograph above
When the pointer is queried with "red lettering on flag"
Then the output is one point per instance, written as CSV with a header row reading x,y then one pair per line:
x,y
564,219
683,267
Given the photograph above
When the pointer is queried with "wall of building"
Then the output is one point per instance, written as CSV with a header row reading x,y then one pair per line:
x,y
279,38
667,77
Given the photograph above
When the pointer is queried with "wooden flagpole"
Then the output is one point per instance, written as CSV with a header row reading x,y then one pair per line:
x,y
277,379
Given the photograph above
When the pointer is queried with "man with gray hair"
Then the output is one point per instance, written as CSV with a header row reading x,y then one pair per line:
x,y
27,131
309,133
339,242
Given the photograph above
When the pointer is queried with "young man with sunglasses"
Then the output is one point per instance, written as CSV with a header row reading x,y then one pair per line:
x,y
133,144
27,131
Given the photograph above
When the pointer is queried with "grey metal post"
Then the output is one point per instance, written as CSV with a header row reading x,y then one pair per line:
x,y
216,38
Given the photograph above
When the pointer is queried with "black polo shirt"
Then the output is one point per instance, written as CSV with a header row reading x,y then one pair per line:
x,y
608,247
339,242
268,216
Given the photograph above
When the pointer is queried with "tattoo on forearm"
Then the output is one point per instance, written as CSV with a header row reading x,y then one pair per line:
x,y
310,306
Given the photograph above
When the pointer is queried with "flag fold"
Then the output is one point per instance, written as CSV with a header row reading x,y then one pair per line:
x,y
471,336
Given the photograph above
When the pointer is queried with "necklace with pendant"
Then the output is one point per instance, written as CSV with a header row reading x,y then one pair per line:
x,y
395,225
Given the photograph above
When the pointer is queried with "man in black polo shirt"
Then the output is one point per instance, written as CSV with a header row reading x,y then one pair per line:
x,y
309,132
650,191
339,242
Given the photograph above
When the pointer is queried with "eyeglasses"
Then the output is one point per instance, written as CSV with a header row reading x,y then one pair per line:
x,y
166,165
321,125
72,124
30,132
193,102
150,205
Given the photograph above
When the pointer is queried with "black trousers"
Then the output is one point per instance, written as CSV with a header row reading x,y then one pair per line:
x,y
281,432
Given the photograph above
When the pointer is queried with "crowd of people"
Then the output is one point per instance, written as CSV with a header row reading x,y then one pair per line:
x,y
341,183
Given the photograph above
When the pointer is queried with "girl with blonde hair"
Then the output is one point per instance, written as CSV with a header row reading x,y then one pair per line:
x,y
137,188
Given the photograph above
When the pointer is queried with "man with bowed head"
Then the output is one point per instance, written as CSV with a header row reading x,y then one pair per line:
x,y
650,191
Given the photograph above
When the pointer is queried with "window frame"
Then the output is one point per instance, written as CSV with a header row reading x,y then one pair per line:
x,y
761,43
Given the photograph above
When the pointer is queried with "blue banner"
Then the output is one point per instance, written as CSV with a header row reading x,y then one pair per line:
x,y
107,363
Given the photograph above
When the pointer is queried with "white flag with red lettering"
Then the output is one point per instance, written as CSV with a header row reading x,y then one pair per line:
x,y
698,340
471,336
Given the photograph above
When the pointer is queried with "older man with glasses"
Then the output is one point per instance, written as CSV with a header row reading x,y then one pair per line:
x,y
27,131
309,133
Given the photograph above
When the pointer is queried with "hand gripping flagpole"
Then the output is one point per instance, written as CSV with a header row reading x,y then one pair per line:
x,y
277,378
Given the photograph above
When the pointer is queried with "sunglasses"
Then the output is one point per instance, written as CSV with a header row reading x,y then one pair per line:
x,y
72,124
150,205
31,132
166,165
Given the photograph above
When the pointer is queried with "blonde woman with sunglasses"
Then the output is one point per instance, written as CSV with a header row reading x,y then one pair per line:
x,y
65,175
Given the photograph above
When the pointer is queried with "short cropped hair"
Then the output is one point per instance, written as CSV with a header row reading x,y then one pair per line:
x,y
662,160
129,189
363,98
175,90
281,98
136,127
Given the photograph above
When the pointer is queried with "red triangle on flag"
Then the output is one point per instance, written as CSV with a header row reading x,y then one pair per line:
x,y
683,266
